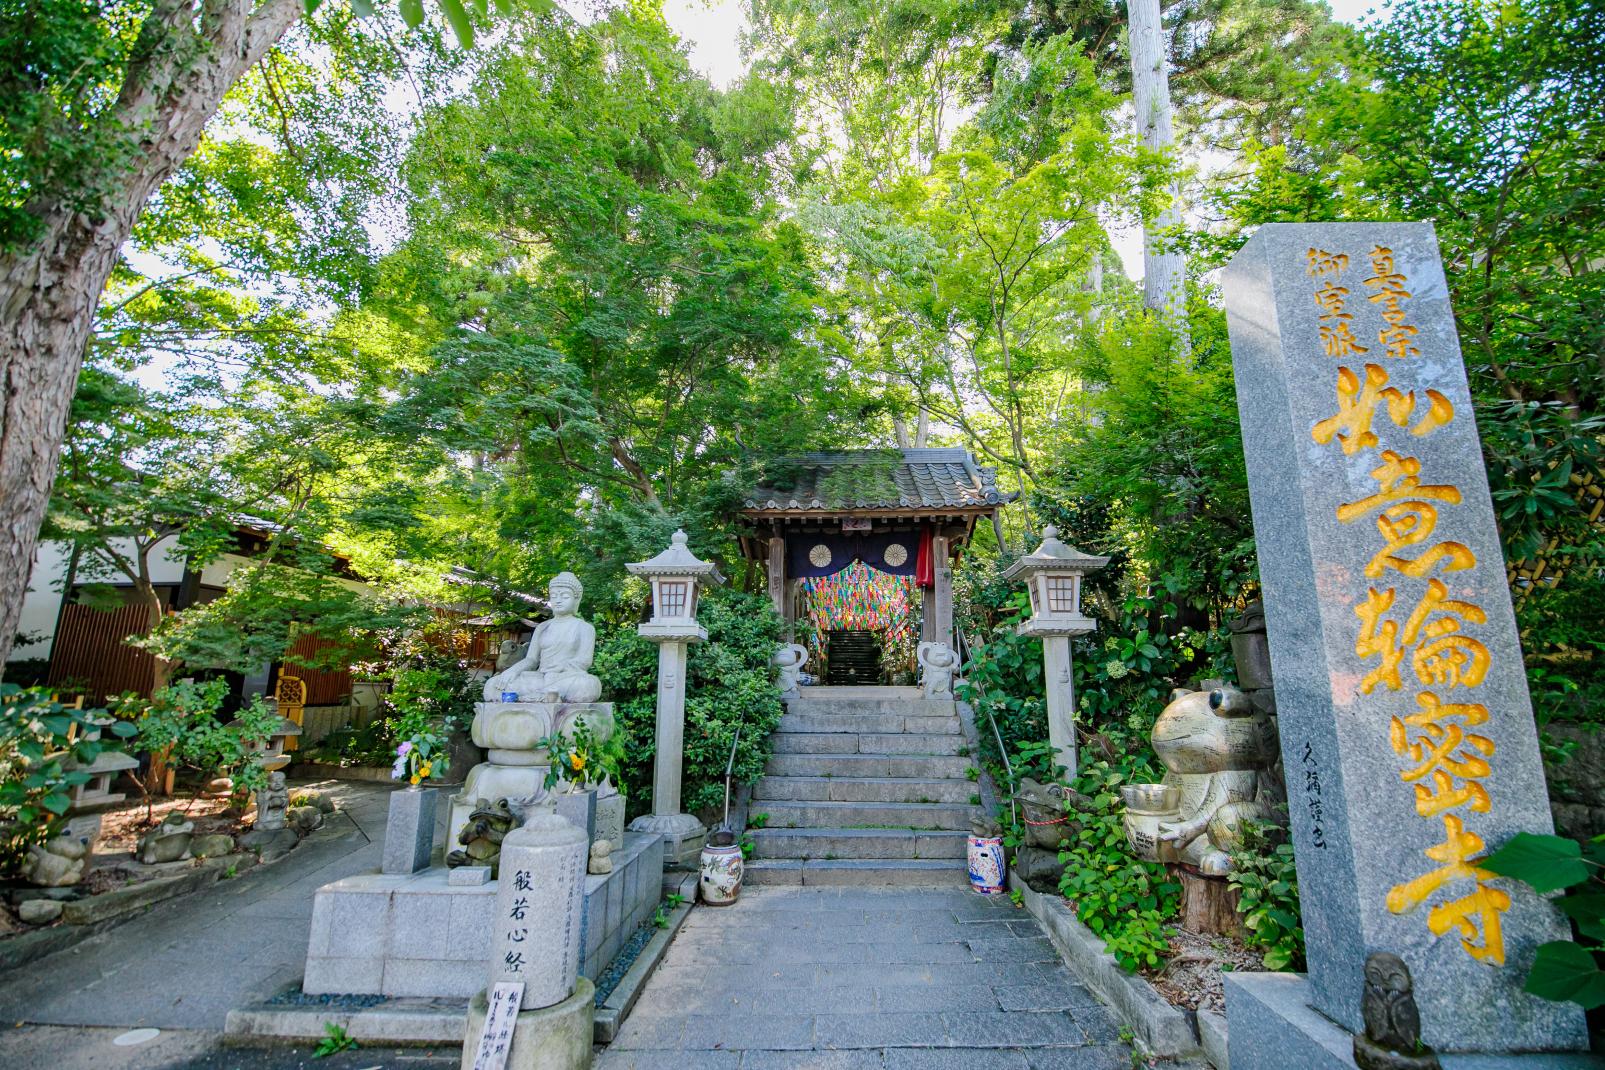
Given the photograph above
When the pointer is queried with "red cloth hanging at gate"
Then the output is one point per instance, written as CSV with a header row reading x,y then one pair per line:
x,y
924,567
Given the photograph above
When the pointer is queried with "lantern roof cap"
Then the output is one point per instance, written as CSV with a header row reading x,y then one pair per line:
x,y
677,560
1055,556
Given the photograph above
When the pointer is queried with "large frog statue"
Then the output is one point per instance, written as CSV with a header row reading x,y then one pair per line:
x,y
482,836
1217,749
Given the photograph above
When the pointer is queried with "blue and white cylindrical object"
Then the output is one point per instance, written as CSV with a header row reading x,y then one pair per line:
x,y
986,864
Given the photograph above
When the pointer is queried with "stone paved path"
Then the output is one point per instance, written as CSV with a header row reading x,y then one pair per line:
x,y
187,962
865,979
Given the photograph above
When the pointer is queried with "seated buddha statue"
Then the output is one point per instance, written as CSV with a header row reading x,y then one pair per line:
x,y
559,656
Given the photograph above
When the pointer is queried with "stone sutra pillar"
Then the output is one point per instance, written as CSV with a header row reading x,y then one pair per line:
x,y
1052,575
677,578
1406,731
536,943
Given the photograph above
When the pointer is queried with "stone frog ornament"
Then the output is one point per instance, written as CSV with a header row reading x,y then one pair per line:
x,y
1392,1037
482,836
790,659
1048,812
1216,748
59,863
939,664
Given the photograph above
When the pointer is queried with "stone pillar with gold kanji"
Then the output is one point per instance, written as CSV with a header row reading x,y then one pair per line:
x,y
1406,730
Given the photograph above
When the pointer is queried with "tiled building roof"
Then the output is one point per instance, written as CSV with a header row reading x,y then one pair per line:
x,y
912,479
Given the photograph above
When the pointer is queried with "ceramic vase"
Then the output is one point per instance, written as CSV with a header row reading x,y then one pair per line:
x,y
986,864
720,882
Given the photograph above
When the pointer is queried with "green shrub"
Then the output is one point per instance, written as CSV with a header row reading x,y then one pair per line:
x,y
1122,898
432,695
1267,885
39,738
1563,970
182,722
1004,680
730,683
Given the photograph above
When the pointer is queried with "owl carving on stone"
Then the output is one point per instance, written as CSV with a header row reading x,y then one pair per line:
x,y
1392,1038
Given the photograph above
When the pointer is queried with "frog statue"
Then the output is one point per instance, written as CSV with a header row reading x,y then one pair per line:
x,y
1218,750
1048,812
481,838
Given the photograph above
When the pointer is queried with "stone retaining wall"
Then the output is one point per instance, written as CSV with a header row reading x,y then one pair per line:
x,y
1577,784
419,936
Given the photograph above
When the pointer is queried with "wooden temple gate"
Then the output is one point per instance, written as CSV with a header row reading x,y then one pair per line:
x,y
901,512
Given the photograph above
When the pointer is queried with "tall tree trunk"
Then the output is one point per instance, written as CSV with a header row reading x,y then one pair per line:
x,y
1164,277
184,62
159,776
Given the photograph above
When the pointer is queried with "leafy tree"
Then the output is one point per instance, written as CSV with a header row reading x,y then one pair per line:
x,y
1484,118
101,101
614,312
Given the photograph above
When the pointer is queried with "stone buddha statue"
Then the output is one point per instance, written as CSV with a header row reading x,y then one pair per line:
x,y
556,667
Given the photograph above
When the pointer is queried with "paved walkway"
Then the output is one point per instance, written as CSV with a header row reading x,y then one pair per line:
x,y
865,979
186,963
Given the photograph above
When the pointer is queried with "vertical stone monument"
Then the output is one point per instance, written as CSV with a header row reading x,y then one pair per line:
x,y
1052,577
535,952
677,578
1406,731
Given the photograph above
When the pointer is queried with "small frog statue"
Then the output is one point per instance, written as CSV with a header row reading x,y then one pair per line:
x,y
939,664
790,659
58,863
482,836
1050,815
1217,750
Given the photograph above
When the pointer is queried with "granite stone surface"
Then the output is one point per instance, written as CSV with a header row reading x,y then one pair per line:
x,y
1272,1026
538,925
1404,715
366,929
410,833
803,979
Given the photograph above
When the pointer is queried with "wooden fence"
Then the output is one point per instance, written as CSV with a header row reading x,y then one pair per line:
x,y
89,655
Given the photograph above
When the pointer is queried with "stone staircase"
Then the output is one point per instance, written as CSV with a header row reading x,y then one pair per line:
x,y
866,786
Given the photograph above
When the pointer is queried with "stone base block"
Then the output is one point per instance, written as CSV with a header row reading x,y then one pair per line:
x,y
425,935
578,808
410,832
551,1038
1272,1026
683,837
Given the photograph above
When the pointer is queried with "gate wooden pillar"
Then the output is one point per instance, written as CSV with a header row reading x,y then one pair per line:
x,y
780,589
942,591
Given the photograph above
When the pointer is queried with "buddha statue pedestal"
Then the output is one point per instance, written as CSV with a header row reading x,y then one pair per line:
x,y
511,733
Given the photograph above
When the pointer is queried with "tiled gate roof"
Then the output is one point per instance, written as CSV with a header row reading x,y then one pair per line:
x,y
911,479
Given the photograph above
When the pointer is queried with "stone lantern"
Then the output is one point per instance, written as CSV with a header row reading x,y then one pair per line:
x,y
1052,575
677,577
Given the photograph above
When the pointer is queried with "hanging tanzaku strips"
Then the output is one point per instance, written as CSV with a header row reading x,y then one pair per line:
x,y
859,598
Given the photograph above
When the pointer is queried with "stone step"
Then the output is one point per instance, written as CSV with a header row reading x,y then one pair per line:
x,y
868,722
908,707
834,765
791,814
831,844
862,789
863,872
866,743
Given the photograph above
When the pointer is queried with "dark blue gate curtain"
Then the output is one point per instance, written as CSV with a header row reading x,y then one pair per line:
x,y
844,548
